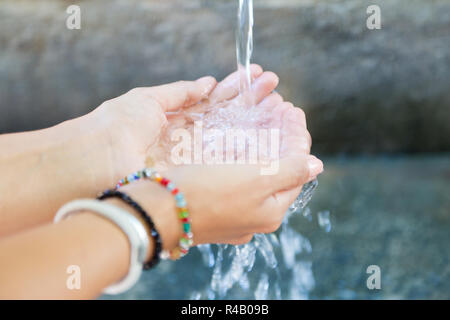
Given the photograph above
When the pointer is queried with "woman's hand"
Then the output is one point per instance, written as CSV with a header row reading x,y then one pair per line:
x,y
134,121
81,157
229,203
131,124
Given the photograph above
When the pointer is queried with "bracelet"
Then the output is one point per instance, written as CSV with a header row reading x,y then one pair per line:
x,y
128,223
186,241
148,220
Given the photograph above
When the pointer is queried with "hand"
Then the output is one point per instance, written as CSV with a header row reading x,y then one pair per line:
x,y
133,122
225,108
229,203
210,189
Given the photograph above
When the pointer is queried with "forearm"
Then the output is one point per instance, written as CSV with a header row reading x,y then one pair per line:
x,y
33,264
41,170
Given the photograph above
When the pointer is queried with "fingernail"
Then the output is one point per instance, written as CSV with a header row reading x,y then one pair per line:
x,y
206,80
315,167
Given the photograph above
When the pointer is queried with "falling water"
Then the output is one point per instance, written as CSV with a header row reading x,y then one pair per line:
x,y
266,256
244,48
232,264
269,264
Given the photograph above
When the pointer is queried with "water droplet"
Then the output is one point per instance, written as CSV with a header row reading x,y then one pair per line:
x,y
244,282
262,289
207,254
302,281
324,220
293,243
307,214
265,248
195,295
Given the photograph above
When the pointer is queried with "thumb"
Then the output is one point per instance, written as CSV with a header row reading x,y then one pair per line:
x,y
294,172
181,94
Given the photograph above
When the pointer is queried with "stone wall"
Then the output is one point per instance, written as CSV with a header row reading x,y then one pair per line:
x,y
363,90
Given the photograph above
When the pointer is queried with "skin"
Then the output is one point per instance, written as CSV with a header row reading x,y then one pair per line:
x,y
42,170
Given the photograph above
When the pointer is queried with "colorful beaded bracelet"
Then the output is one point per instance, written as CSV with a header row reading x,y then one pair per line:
x,y
186,240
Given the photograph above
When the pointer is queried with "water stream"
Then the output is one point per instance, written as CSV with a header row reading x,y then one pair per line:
x,y
244,48
262,268
278,252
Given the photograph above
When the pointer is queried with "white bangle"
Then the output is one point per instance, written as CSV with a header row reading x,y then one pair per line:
x,y
129,224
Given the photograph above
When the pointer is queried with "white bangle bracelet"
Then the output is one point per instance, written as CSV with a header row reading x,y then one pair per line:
x,y
129,224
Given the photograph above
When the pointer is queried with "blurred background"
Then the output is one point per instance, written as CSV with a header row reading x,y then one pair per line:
x,y
377,104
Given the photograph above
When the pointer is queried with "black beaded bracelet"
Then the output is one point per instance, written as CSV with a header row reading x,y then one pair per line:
x,y
154,233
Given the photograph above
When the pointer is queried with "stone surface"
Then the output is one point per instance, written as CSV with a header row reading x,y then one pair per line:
x,y
363,90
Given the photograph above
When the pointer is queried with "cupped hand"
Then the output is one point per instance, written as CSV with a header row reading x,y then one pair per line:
x,y
227,203
133,123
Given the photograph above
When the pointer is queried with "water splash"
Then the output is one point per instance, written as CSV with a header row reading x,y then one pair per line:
x,y
266,256
302,281
323,218
288,241
255,269
292,243
307,214
207,255
303,199
263,287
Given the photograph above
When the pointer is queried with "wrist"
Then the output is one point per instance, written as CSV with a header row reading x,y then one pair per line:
x,y
122,205
86,146
160,206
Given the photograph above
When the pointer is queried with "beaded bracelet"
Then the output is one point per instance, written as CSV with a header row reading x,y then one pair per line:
x,y
148,220
186,240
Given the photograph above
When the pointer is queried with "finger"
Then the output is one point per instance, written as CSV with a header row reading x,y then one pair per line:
x,y
180,94
278,113
285,198
296,144
295,136
294,115
300,116
263,86
242,240
292,172
295,139
275,208
291,115
271,101
228,88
